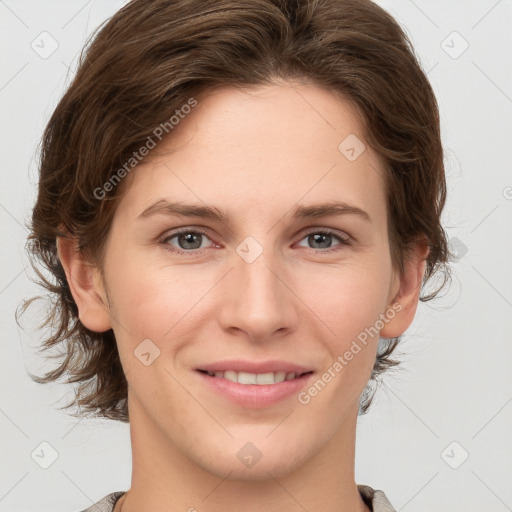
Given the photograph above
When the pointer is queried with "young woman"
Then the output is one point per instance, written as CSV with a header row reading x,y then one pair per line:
x,y
239,204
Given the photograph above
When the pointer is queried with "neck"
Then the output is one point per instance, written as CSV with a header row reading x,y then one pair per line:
x,y
167,478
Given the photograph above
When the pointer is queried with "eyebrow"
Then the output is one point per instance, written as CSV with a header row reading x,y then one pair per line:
x,y
210,212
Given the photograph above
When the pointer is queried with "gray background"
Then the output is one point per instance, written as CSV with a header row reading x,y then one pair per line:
x,y
453,396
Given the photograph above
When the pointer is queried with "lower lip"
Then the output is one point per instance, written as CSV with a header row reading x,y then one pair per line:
x,y
255,396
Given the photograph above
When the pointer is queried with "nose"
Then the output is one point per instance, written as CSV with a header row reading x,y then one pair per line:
x,y
258,298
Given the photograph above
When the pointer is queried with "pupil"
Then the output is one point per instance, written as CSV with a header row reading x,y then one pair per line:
x,y
189,238
317,238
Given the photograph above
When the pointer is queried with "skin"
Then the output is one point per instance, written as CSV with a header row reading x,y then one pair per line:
x,y
269,150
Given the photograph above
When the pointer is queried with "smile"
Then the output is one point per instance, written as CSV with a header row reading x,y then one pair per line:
x,y
254,378
255,390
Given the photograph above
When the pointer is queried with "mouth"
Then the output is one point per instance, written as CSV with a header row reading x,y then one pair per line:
x,y
259,379
255,390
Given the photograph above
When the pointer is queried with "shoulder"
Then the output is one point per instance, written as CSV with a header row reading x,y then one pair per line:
x,y
375,499
106,504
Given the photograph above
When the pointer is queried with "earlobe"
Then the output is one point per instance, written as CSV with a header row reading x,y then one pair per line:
x,y
405,302
86,286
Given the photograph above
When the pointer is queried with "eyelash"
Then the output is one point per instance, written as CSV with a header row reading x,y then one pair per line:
x,y
344,241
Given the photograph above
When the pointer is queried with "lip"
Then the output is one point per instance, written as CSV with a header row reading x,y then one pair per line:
x,y
239,365
255,396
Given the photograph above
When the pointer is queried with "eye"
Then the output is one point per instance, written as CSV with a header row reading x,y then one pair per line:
x,y
324,238
190,241
186,241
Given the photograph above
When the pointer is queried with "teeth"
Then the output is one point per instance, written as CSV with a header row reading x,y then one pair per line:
x,y
253,378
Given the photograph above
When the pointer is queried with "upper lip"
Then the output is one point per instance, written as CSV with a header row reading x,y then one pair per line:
x,y
239,365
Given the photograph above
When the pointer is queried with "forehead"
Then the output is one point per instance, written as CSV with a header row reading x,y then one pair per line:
x,y
270,148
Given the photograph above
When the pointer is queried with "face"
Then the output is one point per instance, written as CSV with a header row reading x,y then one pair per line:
x,y
258,283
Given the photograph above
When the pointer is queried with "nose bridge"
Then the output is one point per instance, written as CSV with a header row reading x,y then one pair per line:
x,y
259,303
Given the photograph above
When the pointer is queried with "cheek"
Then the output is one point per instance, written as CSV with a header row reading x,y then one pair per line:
x,y
149,303
346,299
348,304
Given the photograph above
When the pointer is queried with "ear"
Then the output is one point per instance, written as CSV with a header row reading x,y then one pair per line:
x,y
86,286
405,299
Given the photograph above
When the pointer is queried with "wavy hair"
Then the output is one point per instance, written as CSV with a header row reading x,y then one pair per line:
x,y
146,61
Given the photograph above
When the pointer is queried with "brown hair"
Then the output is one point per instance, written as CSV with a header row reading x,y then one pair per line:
x,y
148,60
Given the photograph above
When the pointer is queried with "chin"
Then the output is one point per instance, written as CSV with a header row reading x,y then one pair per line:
x,y
247,461
264,470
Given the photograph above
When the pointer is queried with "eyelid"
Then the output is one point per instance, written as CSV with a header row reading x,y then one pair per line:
x,y
187,229
313,229
329,231
344,238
